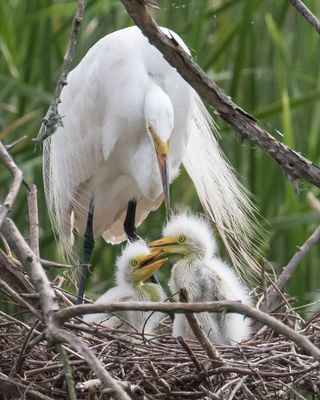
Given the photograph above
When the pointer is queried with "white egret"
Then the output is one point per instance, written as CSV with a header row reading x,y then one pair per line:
x,y
133,267
129,120
205,277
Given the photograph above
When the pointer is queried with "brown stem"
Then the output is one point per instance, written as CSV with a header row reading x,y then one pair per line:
x,y
307,14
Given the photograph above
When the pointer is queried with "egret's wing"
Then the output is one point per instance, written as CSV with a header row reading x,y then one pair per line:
x,y
223,197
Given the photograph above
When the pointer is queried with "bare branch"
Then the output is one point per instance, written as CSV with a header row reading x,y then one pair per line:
x,y
199,333
4,287
307,14
52,118
33,267
33,219
16,184
294,165
78,345
218,306
289,269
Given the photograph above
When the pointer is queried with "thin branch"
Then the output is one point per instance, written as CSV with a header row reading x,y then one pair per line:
x,y
199,333
33,219
33,267
52,118
77,344
4,287
15,186
307,14
288,271
294,165
218,306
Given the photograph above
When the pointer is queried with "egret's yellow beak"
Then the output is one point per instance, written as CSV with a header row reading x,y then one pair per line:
x,y
146,266
168,244
162,155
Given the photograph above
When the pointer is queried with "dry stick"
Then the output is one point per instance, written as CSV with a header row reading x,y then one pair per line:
x,y
291,266
16,297
199,333
10,146
294,165
33,267
52,118
307,14
33,219
16,184
217,306
76,343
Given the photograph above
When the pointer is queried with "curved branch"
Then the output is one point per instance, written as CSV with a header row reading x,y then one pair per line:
x,y
218,306
294,165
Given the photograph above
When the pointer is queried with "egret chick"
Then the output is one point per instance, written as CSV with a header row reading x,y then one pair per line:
x,y
133,267
205,277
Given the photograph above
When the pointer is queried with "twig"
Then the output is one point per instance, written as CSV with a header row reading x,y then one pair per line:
x,y
199,333
15,143
292,265
33,219
294,165
76,343
67,372
16,184
189,351
307,14
33,267
52,118
15,296
217,306
313,201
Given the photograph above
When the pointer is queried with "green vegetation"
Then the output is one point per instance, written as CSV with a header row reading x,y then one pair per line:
x,y
264,55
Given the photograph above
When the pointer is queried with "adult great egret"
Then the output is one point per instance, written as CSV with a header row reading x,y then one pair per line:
x,y
129,120
135,265
205,277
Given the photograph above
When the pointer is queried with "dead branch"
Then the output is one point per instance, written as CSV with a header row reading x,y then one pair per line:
x,y
288,271
52,118
199,333
307,14
218,306
293,164
15,186
33,219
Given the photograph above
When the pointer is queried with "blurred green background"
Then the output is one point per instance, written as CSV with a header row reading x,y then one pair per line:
x,y
262,53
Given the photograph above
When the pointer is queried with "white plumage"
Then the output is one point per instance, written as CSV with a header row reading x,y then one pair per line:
x,y
130,287
205,277
121,101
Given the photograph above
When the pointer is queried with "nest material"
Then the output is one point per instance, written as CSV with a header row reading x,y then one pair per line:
x,y
159,367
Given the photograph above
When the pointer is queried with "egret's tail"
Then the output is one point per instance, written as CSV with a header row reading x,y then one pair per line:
x,y
222,196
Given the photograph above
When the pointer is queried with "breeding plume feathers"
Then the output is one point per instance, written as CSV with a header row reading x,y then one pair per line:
x,y
222,196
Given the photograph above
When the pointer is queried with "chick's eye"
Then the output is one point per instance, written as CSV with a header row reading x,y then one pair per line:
x,y
181,239
134,263
149,127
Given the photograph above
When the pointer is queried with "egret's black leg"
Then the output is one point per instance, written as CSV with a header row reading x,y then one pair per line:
x,y
130,221
88,245
130,228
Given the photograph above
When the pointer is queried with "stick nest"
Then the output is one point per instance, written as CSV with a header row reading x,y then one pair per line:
x,y
159,367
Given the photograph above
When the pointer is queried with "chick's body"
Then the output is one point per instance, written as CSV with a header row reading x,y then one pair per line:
x,y
131,289
205,277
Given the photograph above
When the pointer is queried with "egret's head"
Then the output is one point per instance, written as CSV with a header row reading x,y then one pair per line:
x,y
137,263
158,113
188,235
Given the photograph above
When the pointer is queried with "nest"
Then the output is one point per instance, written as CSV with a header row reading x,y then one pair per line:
x,y
158,367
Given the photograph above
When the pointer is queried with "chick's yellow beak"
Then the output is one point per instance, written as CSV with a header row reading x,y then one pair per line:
x,y
168,244
146,266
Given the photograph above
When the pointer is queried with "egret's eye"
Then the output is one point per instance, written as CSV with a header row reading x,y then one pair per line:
x,y
134,263
181,239
150,128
